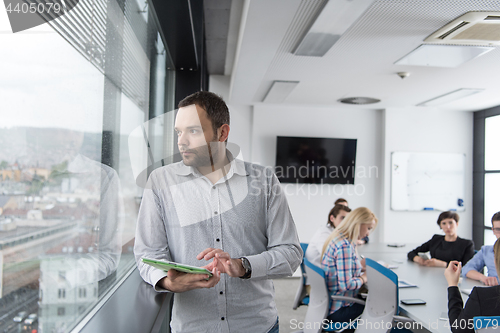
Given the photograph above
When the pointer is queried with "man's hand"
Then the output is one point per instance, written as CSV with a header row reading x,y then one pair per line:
x,y
179,282
489,280
223,262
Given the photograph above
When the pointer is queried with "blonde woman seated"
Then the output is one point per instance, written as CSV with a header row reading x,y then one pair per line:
x,y
483,301
342,264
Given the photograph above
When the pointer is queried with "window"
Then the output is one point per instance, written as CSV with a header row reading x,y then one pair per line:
x,y
61,311
73,91
492,168
491,140
486,173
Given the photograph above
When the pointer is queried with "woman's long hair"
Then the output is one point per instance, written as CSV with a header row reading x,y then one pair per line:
x,y
349,228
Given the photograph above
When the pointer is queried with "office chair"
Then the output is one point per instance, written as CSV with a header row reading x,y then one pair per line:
x,y
382,302
319,300
302,297
485,324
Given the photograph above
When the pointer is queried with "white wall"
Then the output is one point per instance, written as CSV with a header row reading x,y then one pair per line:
x,y
379,132
310,204
241,115
425,130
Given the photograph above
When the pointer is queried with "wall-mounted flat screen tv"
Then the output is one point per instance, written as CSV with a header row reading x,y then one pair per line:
x,y
315,160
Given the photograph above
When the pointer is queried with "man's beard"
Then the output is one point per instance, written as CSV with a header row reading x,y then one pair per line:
x,y
202,156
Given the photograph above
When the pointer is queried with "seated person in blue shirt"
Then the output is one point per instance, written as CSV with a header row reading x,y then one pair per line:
x,y
445,248
484,257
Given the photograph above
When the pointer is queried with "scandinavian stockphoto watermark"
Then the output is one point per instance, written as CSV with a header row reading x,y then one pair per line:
x,y
317,189
26,14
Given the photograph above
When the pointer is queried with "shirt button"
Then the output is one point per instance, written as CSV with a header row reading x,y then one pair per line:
x,y
222,318
216,213
213,187
218,239
221,293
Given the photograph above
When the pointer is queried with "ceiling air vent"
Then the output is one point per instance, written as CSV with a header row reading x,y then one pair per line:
x,y
359,100
473,28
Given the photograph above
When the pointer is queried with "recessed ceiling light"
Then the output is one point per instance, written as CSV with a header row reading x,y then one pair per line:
x,y
451,96
442,55
359,100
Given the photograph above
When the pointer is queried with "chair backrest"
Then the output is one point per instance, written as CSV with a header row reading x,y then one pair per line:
x,y
382,302
301,292
485,324
319,299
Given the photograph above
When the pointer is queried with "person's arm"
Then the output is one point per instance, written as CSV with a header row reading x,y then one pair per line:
x,y
111,223
413,255
151,242
433,262
103,261
346,268
284,254
150,237
487,280
473,267
461,318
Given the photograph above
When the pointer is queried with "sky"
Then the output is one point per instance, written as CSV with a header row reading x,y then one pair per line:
x,y
45,82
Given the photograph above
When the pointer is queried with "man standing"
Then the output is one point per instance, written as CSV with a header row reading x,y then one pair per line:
x,y
484,258
213,206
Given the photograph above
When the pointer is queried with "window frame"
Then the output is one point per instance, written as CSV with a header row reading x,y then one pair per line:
x,y
479,172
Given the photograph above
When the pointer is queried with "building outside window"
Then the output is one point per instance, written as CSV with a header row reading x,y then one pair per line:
x,y
72,92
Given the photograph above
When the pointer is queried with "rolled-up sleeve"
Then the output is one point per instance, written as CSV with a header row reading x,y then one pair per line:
x,y
284,254
475,264
150,239
346,268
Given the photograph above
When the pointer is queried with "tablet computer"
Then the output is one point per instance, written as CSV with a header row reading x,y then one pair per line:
x,y
166,265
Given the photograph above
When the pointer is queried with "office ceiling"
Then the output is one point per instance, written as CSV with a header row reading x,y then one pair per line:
x,y
360,64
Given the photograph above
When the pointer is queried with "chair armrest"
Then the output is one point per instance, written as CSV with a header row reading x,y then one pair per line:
x,y
403,319
349,299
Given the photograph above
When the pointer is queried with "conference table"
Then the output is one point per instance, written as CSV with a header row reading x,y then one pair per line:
x,y
431,285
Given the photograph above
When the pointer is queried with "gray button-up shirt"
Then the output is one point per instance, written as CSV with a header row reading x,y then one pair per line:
x,y
245,214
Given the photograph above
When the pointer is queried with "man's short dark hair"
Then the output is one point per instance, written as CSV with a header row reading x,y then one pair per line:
x,y
339,201
495,217
215,107
336,210
447,215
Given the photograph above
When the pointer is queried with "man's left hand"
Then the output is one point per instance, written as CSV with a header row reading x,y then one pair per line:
x,y
223,262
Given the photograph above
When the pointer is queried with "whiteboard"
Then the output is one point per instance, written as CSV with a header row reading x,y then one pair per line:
x,y
427,181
